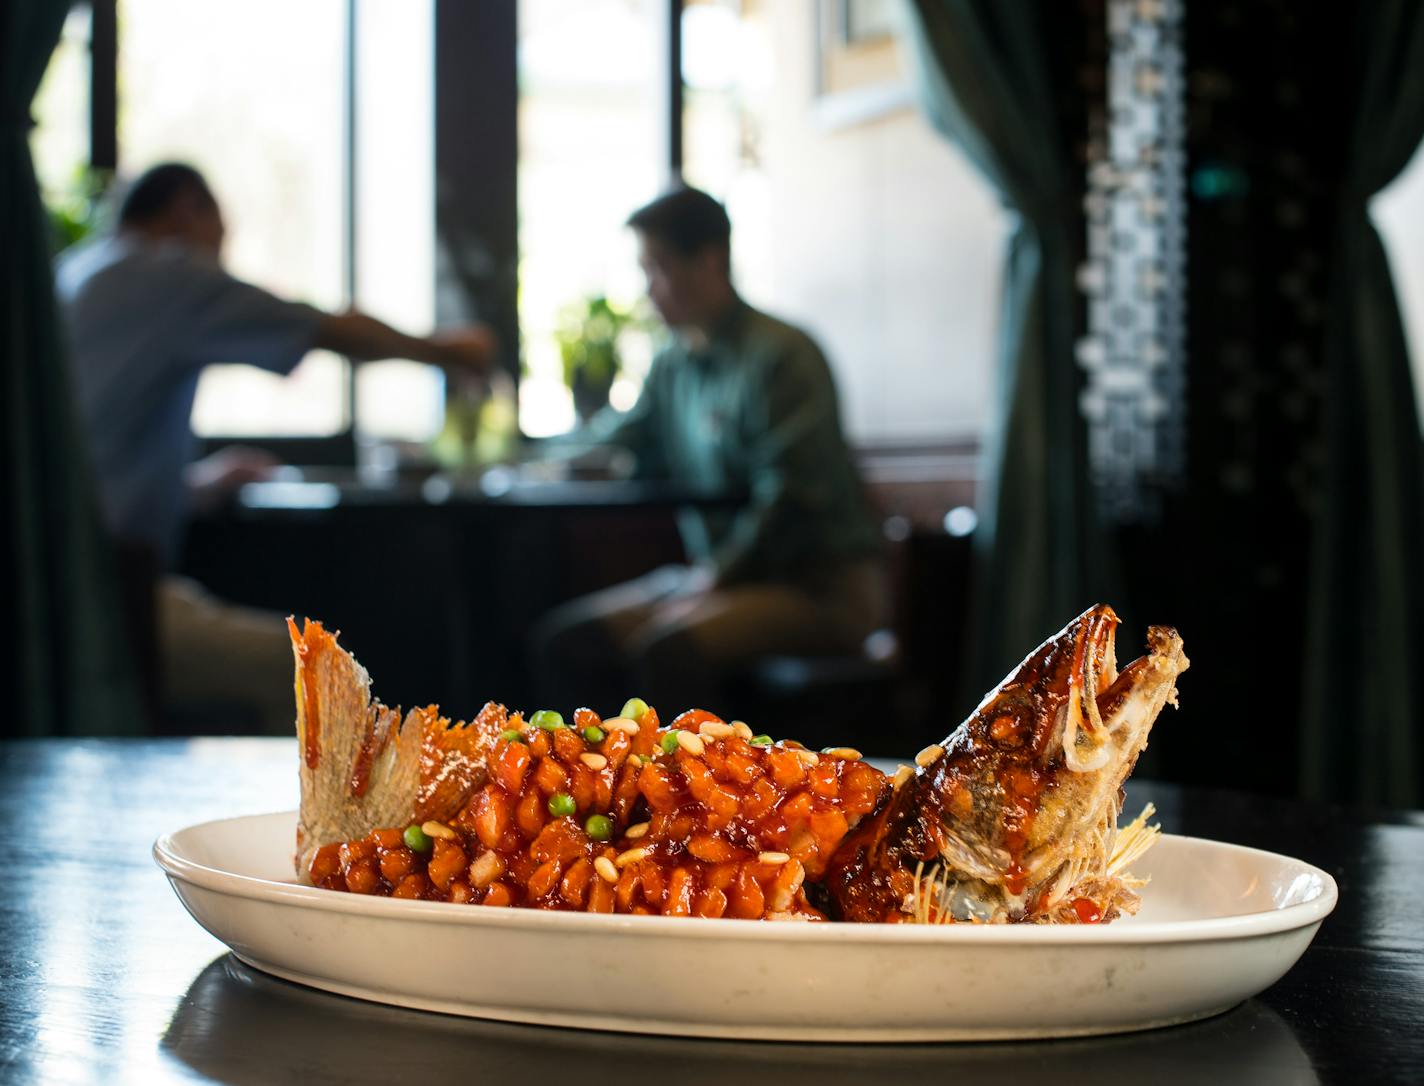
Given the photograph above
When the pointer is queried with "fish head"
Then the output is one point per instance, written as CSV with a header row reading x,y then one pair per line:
x,y
1017,808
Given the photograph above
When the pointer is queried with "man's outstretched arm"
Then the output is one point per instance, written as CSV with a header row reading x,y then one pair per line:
x,y
461,352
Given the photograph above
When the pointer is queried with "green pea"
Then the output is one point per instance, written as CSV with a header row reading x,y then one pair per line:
x,y
561,804
762,740
416,839
599,827
512,735
668,742
593,733
548,719
633,709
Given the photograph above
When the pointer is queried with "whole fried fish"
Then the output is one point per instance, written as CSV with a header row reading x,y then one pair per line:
x,y
1013,817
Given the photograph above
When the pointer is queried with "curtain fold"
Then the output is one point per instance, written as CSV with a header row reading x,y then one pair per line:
x,y
68,671
1363,727
982,74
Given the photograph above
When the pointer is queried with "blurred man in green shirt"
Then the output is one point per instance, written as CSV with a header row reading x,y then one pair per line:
x,y
738,402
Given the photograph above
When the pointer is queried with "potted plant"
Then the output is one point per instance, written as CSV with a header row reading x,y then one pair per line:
x,y
588,346
74,212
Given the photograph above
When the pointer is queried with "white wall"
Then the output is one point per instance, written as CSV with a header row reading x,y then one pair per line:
x,y
885,244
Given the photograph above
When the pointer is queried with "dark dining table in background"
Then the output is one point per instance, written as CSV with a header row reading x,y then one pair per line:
x,y
461,565
107,980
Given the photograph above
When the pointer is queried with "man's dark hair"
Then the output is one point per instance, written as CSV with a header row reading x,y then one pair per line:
x,y
156,190
686,219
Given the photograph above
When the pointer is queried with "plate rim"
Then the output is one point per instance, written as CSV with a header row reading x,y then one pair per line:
x,y
167,854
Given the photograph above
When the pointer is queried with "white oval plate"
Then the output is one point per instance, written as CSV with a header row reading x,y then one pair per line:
x,y
1218,924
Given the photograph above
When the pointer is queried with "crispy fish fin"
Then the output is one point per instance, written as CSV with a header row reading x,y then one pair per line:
x,y
362,767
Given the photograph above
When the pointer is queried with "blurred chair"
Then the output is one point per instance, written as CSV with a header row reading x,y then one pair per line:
x,y
896,694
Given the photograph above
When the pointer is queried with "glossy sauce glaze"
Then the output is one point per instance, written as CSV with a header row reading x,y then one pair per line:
x,y
626,816
311,728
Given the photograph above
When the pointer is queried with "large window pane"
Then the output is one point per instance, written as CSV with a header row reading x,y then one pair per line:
x,y
251,93
395,225
589,154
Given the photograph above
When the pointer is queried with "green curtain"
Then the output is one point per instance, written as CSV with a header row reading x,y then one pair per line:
x,y
1364,682
68,671
981,70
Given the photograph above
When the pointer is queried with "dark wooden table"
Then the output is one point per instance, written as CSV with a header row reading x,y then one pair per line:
x,y
105,979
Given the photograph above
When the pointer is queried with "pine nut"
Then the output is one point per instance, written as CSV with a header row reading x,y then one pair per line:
x,y
621,724
635,761
808,757
772,857
636,831
606,871
632,856
438,829
928,755
742,729
902,774
850,754
714,729
593,761
689,742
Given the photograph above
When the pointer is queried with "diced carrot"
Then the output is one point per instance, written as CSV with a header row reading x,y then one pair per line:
x,y
448,860
829,826
491,810
600,896
690,720
574,886
326,861
352,851
412,886
550,777
513,763
713,849
739,768
680,888
711,903
627,886
583,786
361,876
498,894
787,769
763,797
568,745
397,864
650,877
530,814
657,788
388,839
546,876
824,778
722,875
625,793
796,810
746,899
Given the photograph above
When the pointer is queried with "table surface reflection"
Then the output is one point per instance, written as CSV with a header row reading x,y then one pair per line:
x,y
107,979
